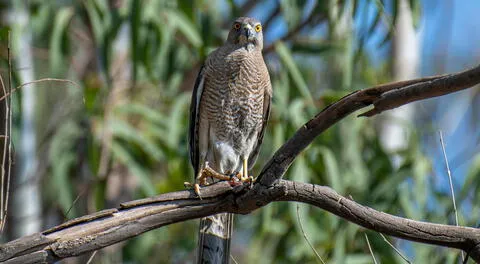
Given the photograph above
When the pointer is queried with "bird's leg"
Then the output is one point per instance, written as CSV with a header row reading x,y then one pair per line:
x,y
245,177
200,179
203,175
209,172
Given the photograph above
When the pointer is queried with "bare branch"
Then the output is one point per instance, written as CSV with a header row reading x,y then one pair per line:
x,y
107,227
396,249
104,228
319,258
7,146
370,249
429,88
39,81
382,97
449,174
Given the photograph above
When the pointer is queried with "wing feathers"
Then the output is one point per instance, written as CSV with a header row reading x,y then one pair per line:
x,y
193,123
267,100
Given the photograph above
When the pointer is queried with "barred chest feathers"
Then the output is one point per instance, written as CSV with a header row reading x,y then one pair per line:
x,y
236,105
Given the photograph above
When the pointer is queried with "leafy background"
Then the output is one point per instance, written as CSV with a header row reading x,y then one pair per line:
x,y
120,133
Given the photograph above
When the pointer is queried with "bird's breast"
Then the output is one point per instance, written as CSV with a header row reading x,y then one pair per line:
x,y
234,96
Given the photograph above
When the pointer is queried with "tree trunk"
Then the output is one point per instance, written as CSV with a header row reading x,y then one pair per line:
x,y
26,202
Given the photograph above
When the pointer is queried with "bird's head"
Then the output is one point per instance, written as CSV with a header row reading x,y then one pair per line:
x,y
247,32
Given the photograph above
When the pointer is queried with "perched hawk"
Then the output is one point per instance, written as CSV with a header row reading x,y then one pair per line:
x,y
229,111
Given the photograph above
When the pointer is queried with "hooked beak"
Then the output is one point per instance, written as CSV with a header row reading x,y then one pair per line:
x,y
247,32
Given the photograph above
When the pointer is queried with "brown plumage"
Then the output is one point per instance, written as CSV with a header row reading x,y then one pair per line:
x,y
229,111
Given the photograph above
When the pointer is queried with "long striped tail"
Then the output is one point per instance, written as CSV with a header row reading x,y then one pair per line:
x,y
214,236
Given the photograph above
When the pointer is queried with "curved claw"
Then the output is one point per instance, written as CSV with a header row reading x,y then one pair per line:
x,y
196,188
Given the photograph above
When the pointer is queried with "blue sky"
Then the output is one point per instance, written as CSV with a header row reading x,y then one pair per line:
x,y
449,33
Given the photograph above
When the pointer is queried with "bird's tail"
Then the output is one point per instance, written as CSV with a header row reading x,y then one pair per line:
x,y
215,233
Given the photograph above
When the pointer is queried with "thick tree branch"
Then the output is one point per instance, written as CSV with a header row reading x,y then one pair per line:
x,y
382,97
131,219
464,238
107,227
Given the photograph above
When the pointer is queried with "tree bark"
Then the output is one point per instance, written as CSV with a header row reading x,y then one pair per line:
x,y
104,228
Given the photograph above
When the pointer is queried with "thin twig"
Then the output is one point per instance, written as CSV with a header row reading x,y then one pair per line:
x,y
452,192
370,248
306,238
9,131
73,203
38,81
396,250
3,189
7,141
234,260
465,260
136,217
91,257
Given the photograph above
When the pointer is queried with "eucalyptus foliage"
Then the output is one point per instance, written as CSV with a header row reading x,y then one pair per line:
x,y
122,134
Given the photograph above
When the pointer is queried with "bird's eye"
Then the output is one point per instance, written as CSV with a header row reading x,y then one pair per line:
x,y
258,28
236,26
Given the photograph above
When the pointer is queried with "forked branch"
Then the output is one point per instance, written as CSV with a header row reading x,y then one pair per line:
x,y
92,232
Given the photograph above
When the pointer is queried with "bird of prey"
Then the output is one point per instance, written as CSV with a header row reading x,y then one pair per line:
x,y
228,114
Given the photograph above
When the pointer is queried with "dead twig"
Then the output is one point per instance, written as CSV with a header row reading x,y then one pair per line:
x,y
319,258
396,249
4,156
40,81
449,174
98,230
370,248
7,141
91,257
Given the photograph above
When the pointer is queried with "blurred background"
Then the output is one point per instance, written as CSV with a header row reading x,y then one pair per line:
x,y
119,133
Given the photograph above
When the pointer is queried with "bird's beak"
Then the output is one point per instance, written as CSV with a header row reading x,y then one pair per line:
x,y
248,31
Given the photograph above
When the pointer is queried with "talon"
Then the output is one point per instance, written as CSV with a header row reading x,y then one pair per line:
x,y
233,176
196,188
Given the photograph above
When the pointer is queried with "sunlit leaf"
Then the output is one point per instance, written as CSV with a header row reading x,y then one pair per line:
x,y
136,168
292,68
125,131
184,25
57,40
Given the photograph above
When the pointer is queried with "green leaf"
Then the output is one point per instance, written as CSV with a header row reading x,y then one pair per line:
x,y
185,26
62,157
146,113
358,259
57,53
136,168
471,180
175,127
125,131
332,170
314,47
292,68
96,21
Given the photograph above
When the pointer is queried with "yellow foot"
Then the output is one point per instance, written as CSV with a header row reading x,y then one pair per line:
x,y
194,186
248,179
244,177
201,179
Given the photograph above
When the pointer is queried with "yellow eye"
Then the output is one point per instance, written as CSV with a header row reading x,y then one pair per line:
x,y
236,26
258,28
